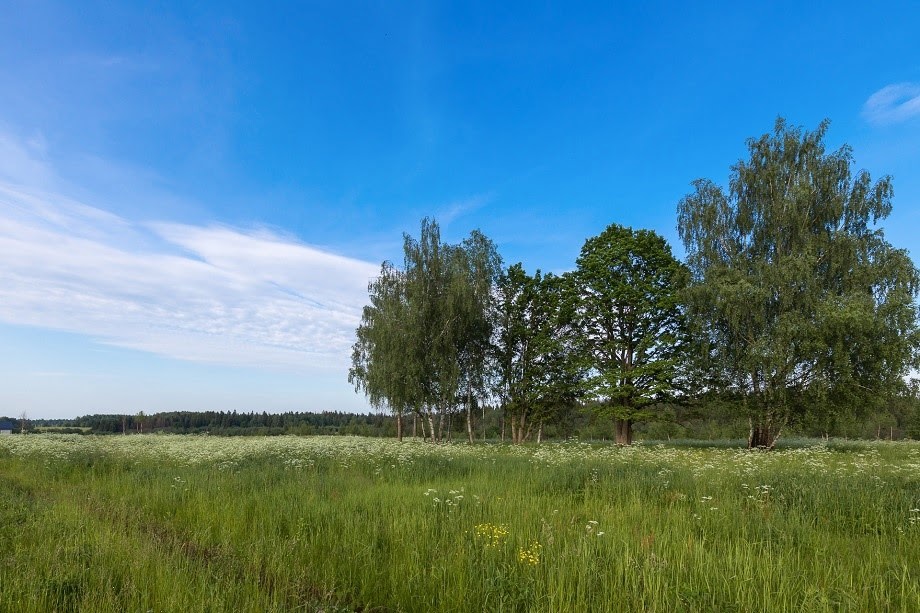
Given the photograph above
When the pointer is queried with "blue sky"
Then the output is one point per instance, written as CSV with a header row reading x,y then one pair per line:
x,y
193,196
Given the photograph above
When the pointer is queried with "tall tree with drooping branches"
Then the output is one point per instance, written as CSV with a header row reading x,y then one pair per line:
x,y
379,367
423,341
476,269
797,299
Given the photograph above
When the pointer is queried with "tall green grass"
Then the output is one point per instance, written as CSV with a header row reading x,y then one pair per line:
x,y
170,523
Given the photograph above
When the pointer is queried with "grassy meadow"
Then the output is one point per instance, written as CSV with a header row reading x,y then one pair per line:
x,y
197,523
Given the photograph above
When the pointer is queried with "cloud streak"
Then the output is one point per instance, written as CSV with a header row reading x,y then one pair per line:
x,y
210,294
459,208
893,104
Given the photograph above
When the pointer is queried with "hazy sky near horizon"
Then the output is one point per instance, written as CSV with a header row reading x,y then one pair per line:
x,y
194,196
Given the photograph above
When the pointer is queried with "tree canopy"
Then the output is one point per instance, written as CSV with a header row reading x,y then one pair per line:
x,y
797,297
422,341
379,367
629,322
537,376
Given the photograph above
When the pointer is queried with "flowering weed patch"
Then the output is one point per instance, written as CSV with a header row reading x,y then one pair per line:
x,y
491,535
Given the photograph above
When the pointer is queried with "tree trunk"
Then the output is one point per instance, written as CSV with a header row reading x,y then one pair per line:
x,y
540,433
469,413
399,426
414,421
503,425
763,434
761,437
422,422
527,432
624,431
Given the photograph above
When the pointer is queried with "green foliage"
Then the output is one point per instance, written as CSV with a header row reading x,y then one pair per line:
x,y
629,321
423,339
798,301
377,365
536,374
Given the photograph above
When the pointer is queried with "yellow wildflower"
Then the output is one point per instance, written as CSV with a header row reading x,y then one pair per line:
x,y
492,534
530,555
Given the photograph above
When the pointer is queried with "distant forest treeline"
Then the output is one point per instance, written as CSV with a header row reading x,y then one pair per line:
x,y
227,423
898,420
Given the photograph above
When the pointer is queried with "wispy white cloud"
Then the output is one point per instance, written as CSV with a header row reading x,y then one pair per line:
x,y
893,104
211,294
458,208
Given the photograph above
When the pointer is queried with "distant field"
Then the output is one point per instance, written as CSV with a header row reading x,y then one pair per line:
x,y
173,523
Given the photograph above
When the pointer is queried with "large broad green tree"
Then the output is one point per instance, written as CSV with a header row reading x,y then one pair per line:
x,y
630,323
798,301
536,375
423,340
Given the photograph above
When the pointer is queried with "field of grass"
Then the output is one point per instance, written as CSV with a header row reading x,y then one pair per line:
x,y
196,523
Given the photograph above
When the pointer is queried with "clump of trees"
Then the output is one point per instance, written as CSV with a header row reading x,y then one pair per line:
x,y
790,309
536,376
424,339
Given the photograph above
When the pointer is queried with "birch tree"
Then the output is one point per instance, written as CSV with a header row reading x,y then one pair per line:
x,y
797,298
422,343
379,367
